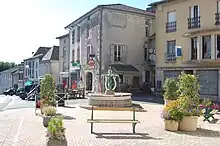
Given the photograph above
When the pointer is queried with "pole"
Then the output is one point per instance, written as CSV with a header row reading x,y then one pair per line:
x,y
100,53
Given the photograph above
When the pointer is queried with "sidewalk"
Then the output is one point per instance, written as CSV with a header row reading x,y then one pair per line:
x,y
22,128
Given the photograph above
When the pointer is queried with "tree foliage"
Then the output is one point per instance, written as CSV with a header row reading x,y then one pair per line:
x,y
6,65
47,90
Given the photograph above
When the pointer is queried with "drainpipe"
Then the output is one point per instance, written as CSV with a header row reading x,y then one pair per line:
x,y
100,51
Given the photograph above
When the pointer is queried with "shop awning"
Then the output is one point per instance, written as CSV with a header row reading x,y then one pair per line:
x,y
28,83
124,68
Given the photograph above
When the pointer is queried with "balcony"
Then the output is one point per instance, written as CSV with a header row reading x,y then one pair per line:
x,y
171,26
194,22
217,18
170,57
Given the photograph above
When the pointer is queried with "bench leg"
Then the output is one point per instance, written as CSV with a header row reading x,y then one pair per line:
x,y
91,128
133,127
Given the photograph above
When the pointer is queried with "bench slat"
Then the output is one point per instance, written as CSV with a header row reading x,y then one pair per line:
x,y
112,121
116,108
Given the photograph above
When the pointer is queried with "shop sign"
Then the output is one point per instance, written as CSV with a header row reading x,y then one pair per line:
x,y
64,74
75,66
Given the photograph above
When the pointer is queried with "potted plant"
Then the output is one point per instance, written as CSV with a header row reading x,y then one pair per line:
x,y
189,101
56,132
170,90
172,115
47,91
49,112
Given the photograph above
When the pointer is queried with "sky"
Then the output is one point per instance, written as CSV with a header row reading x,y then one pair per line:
x,y
26,25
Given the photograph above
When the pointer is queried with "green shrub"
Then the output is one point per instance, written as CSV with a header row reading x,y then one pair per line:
x,y
189,87
47,90
170,89
55,129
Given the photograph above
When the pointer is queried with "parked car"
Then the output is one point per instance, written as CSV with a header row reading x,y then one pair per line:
x,y
21,93
19,90
10,91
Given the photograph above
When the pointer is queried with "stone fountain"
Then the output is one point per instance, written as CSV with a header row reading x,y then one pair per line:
x,y
110,98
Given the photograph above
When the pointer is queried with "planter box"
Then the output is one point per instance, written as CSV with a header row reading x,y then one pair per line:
x,y
188,123
171,125
46,120
54,142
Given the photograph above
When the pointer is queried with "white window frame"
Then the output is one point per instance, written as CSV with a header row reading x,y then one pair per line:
x,y
171,16
192,13
118,53
218,6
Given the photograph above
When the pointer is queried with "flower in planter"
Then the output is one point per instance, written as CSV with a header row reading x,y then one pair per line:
x,y
172,111
49,111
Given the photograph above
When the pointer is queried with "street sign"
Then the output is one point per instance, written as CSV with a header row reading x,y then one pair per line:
x,y
64,74
178,51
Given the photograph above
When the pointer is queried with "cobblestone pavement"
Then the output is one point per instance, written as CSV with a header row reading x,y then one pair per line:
x,y
20,127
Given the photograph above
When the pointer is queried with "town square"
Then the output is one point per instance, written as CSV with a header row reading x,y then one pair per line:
x,y
110,73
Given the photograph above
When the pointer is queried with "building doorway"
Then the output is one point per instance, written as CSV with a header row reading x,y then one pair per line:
x,y
136,82
89,81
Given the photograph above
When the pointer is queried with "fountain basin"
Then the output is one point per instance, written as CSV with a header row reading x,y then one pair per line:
x,y
116,100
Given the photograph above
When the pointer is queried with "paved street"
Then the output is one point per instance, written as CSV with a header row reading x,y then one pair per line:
x,y
16,125
14,102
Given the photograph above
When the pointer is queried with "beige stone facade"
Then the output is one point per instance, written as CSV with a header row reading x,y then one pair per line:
x,y
193,26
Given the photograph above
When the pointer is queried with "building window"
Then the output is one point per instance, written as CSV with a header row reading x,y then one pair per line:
x,y
78,54
64,41
147,76
78,33
217,15
73,36
194,17
170,55
145,54
87,29
206,47
218,46
194,48
171,22
89,51
73,55
117,53
64,52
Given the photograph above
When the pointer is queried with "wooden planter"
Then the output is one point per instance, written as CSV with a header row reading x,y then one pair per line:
x,y
171,125
55,142
188,123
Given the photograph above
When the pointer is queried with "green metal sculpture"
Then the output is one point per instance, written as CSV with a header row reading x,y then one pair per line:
x,y
111,81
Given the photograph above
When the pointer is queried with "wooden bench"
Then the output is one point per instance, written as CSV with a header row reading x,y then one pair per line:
x,y
132,121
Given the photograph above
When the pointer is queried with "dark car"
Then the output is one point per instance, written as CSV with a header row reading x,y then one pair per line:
x,y
10,91
19,90
21,93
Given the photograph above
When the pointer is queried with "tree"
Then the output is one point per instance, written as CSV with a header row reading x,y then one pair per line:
x,y
6,65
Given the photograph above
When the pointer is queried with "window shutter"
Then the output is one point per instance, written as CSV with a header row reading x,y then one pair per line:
x,y
112,53
124,53
91,49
